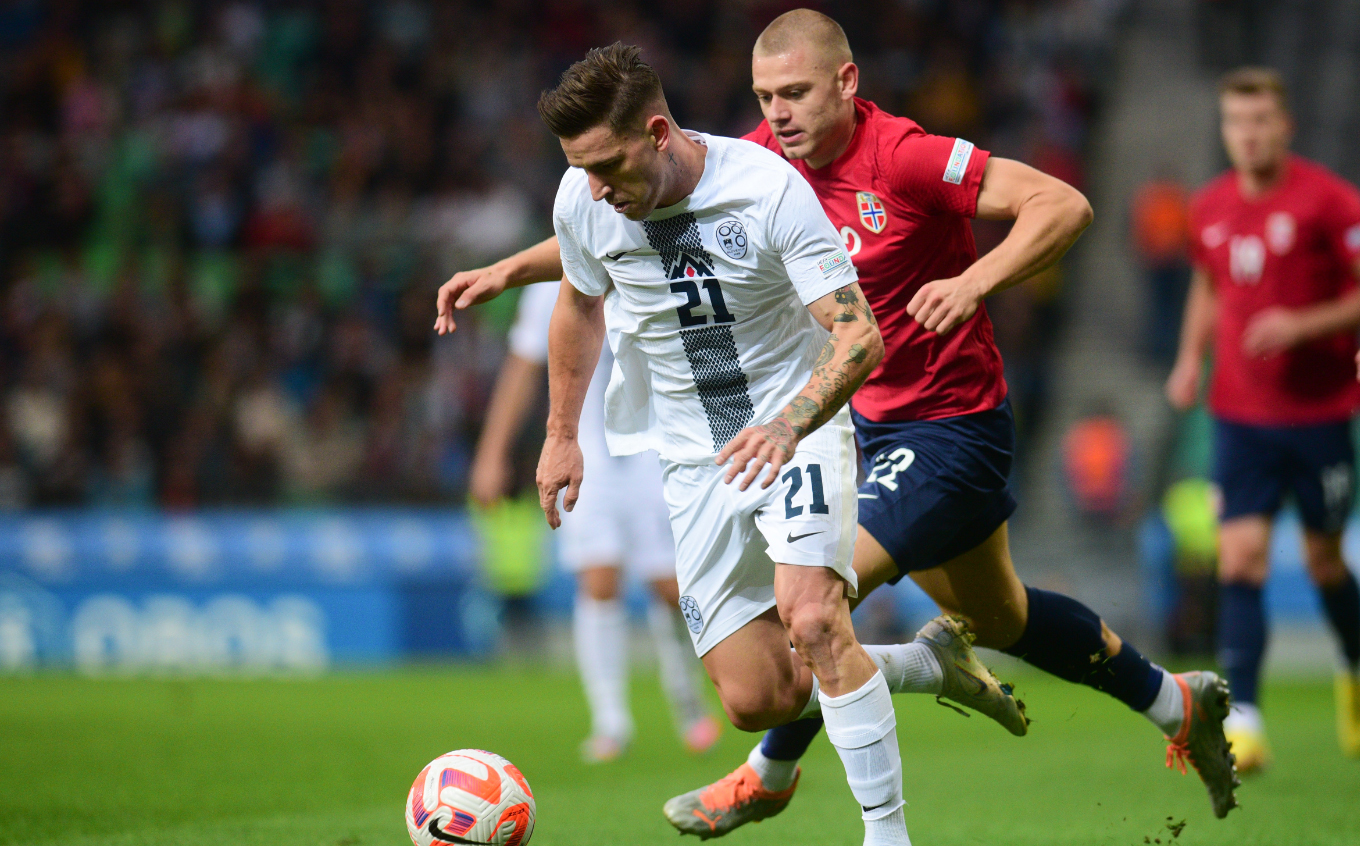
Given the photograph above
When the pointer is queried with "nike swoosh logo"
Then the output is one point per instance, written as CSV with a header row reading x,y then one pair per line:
x,y
439,834
982,685
793,537
619,255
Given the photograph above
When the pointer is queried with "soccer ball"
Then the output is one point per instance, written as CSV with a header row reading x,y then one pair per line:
x,y
470,797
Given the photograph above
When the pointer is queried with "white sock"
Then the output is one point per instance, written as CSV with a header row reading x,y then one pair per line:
x,y
1244,716
600,629
863,727
1167,711
776,775
674,665
908,667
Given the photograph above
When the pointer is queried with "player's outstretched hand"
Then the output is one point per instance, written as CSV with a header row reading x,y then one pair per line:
x,y
467,288
755,447
942,305
559,466
1270,330
1182,386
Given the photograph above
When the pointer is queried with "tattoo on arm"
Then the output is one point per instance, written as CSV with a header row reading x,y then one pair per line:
x,y
831,385
852,307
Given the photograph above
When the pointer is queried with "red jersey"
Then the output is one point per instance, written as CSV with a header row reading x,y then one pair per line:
x,y
902,199
1294,247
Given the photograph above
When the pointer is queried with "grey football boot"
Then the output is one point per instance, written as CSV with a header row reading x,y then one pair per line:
x,y
1201,742
967,680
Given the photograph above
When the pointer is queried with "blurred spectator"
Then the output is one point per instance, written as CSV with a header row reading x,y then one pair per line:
x,y
222,223
1096,462
1161,234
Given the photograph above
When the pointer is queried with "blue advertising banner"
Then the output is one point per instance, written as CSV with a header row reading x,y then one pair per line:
x,y
253,590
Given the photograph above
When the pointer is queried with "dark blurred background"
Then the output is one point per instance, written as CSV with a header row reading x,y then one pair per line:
x,y
221,224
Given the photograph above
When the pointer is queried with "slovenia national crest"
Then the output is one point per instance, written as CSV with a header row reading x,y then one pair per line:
x,y
871,211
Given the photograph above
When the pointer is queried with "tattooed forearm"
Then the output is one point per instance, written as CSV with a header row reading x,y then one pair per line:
x,y
857,354
802,412
828,350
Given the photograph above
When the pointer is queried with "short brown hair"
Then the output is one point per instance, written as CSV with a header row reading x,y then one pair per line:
x,y
1255,80
611,85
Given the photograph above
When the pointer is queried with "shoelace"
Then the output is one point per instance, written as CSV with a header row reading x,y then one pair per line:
x,y
1177,754
723,794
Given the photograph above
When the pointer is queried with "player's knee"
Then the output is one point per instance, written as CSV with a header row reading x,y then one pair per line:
x,y
600,583
813,628
1242,560
753,708
1326,569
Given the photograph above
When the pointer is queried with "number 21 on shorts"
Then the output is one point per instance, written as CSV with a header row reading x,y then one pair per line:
x,y
794,476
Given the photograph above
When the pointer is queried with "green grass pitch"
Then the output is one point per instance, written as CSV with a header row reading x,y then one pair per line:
x,y
328,761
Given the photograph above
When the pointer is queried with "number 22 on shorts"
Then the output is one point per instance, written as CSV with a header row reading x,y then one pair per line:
x,y
888,466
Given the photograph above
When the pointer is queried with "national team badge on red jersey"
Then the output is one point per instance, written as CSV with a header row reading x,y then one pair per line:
x,y
871,211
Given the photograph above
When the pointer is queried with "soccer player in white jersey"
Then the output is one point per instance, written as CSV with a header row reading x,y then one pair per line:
x,y
739,332
620,524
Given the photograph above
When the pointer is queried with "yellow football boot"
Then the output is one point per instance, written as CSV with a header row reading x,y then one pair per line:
x,y
1348,713
1250,748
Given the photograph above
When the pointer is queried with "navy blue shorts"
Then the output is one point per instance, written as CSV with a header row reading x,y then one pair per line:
x,y
1255,466
935,489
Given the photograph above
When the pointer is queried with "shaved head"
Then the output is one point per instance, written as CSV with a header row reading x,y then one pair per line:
x,y
803,29
805,79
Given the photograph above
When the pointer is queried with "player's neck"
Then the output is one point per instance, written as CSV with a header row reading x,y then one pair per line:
x,y
685,169
837,144
1254,183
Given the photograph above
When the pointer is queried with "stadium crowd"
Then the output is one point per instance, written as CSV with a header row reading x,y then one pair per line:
x,y
221,224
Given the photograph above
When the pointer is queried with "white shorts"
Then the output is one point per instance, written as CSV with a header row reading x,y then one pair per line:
x,y
620,518
728,540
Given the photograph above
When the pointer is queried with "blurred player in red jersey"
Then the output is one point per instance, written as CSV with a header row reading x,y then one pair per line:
x,y
1276,249
932,420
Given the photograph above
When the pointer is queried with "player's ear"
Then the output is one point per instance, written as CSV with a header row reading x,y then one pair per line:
x,y
847,80
658,129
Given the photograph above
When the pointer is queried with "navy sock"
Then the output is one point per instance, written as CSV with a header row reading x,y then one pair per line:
x,y
1342,602
789,741
1063,637
1241,638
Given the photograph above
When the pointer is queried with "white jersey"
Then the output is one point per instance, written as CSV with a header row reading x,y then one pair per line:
x,y
706,300
529,341
621,515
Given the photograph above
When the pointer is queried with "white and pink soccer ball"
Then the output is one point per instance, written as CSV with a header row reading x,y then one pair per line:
x,y
470,797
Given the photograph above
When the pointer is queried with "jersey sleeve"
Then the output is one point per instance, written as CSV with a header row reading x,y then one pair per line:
x,y
529,334
584,271
807,242
1341,221
941,175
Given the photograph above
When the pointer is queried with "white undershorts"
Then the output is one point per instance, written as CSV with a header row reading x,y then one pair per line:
x,y
727,540
619,519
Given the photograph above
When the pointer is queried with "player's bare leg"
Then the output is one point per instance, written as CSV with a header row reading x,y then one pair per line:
x,y
982,587
856,703
747,669
698,729
600,637
1341,599
1243,565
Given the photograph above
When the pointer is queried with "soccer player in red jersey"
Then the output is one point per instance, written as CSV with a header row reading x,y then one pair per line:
x,y
932,420
1276,250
